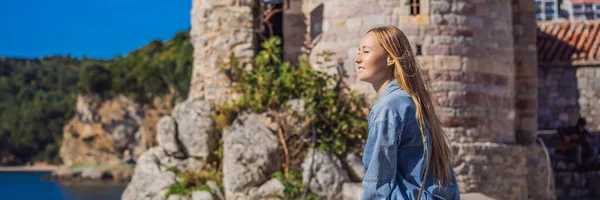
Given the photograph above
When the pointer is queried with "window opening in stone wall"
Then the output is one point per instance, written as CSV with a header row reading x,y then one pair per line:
x,y
419,50
415,8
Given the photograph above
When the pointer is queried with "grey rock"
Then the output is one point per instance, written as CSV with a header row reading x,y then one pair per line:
x,y
251,154
190,163
160,195
201,195
352,191
296,105
328,174
215,189
124,134
177,197
149,161
271,187
293,120
167,136
150,179
355,168
91,173
87,108
195,128
475,196
150,185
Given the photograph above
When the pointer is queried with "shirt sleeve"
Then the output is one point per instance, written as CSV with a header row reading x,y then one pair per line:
x,y
380,175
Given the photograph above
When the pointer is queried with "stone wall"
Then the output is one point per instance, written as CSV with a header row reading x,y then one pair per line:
x,y
470,48
219,27
479,55
525,54
337,26
496,170
567,93
570,182
481,59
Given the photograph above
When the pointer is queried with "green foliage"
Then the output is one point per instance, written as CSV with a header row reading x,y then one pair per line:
x,y
334,109
38,96
173,169
154,70
94,78
178,188
36,101
294,187
224,116
194,181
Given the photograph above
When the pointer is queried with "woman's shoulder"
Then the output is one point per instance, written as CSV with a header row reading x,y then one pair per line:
x,y
394,106
395,100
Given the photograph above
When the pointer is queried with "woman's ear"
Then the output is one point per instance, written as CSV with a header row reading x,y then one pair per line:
x,y
390,61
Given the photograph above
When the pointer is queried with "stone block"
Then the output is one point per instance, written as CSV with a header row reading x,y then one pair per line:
x,y
431,30
447,62
493,169
354,23
426,62
437,50
540,181
371,21
440,7
475,22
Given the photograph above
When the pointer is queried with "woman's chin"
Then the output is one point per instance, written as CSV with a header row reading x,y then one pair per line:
x,y
362,78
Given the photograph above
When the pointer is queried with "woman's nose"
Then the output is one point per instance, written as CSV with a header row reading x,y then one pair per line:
x,y
357,59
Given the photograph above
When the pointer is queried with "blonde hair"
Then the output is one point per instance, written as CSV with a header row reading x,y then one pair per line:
x,y
409,76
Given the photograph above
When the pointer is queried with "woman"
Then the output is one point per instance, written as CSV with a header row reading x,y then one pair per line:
x,y
401,124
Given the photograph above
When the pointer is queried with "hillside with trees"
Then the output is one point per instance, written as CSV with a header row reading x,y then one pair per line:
x,y
37,96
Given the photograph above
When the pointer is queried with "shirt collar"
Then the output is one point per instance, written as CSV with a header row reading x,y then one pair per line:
x,y
390,87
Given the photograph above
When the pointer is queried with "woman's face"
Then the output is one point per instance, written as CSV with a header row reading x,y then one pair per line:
x,y
372,60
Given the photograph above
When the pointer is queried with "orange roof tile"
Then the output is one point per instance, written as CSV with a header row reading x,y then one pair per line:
x,y
585,1
577,42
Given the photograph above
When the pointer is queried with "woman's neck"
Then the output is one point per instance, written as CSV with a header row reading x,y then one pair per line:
x,y
379,87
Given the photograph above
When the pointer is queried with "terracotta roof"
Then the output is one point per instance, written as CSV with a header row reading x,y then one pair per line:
x,y
584,1
575,42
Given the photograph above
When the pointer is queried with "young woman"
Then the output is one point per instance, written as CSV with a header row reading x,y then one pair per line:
x,y
405,136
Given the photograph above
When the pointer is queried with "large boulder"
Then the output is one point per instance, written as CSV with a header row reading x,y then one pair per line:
x,y
201,195
355,166
352,191
149,186
167,137
150,179
195,128
250,155
272,187
328,174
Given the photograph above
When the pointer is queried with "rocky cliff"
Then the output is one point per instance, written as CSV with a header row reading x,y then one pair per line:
x,y
110,132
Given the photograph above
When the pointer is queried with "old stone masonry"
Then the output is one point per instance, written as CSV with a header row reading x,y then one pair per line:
x,y
480,56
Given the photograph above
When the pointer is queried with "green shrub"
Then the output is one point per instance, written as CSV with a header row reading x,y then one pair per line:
x,y
294,188
331,106
194,181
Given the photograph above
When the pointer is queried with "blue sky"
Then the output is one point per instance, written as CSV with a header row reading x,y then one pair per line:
x,y
96,29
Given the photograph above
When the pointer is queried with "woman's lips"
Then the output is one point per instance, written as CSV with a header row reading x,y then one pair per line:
x,y
360,69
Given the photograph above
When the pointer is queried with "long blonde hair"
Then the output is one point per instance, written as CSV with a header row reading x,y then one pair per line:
x,y
409,76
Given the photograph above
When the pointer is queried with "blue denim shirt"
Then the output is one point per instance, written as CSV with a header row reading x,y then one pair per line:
x,y
393,155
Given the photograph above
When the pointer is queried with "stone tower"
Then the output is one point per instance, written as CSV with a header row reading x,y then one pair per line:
x,y
219,27
480,56
481,59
